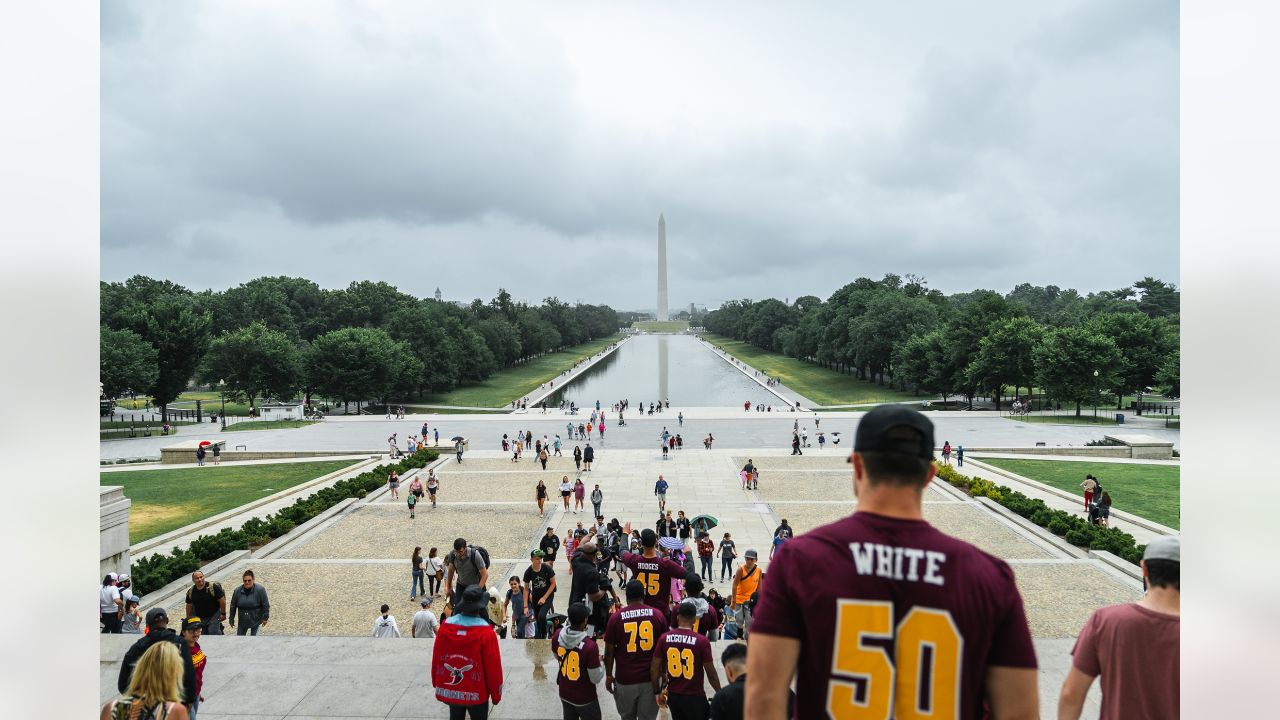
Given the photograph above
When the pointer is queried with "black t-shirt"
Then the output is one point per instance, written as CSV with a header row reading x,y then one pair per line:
x,y
685,526
589,454
205,602
538,582
549,545
784,532
586,579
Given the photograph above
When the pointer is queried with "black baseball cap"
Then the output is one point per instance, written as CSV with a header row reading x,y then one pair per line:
x,y
873,432
155,616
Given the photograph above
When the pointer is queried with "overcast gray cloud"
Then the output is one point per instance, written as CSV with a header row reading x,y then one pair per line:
x,y
791,149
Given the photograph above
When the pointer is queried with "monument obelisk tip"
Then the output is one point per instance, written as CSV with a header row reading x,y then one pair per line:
x,y
662,314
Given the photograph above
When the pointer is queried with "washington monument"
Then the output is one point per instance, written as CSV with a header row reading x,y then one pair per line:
x,y
662,269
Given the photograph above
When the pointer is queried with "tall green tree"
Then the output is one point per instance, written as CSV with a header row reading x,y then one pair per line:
x,y
358,364
127,364
1067,359
1169,377
1144,344
256,362
978,312
1006,356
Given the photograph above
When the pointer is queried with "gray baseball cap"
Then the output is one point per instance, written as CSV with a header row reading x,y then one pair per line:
x,y
1168,547
752,554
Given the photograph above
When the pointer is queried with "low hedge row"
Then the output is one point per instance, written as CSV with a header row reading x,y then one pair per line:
x,y
156,571
1072,528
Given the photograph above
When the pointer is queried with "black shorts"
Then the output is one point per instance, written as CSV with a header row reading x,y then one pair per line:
x,y
564,493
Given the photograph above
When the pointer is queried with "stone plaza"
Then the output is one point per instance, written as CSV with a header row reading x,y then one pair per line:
x,y
327,579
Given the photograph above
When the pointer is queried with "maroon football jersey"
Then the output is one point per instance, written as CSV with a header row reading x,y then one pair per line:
x,y
575,686
683,653
894,617
633,632
656,575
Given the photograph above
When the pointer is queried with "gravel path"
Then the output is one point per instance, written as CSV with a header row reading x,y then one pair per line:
x,y
384,531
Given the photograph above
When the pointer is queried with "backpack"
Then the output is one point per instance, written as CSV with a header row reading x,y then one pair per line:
x,y
484,556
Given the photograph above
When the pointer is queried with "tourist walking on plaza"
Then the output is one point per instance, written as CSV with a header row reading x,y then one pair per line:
x,y
588,457
208,602
745,474
424,623
630,637
416,584
250,599
433,485
393,481
465,566
384,626
566,489
799,624
781,534
154,687
577,458
466,664
540,496
728,551
580,667
579,495
497,613
742,594
946,452
159,633
412,501
433,568
519,611
557,447
539,590
795,444
1100,510
660,491
683,658
1089,485
543,457
131,620
458,447
706,551
1134,646
415,488
666,526
110,604
550,546
959,456
192,629
597,497
707,619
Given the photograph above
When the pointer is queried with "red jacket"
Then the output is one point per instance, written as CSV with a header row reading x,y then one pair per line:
x,y
466,666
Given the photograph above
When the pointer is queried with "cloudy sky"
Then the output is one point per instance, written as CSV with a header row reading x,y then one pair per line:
x,y
792,149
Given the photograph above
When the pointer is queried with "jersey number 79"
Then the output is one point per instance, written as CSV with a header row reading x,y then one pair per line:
x,y
921,679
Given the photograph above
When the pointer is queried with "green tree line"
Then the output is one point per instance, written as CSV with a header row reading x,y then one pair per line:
x,y
898,331
277,337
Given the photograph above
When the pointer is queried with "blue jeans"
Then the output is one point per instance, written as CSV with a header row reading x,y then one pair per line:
x,y
522,622
416,585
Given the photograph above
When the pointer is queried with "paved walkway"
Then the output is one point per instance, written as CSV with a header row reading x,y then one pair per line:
x,y
489,500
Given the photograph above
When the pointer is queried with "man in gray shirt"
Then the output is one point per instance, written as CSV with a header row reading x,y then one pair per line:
x,y
425,623
466,567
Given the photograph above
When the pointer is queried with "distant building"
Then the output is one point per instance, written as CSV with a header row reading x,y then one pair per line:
x,y
281,411
438,294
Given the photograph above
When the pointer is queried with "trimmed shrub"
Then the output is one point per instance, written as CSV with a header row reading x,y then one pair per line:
x,y
156,571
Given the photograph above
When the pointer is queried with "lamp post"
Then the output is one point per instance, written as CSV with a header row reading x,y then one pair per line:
x,y
222,392
1095,395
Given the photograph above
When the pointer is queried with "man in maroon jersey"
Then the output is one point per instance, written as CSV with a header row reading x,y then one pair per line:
x,y
707,619
906,621
580,669
680,661
655,573
629,639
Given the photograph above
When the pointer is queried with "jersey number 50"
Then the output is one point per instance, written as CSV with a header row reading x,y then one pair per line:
x,y
921,680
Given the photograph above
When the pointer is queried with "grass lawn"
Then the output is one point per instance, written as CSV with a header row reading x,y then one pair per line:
x,y
105,424
661,326
165,500
507,385
823,386
267,425
1149,491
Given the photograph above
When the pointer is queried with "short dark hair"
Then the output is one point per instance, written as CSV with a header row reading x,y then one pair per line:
x,y
385,607
897,468
735,653
687,610
1164,573
459,544
248,573
578,614
635,590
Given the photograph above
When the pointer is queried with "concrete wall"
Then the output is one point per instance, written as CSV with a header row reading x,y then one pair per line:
x,y
113,530
179,455
1111,451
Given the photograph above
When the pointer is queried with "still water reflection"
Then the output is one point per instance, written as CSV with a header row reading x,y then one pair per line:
x,y
649,368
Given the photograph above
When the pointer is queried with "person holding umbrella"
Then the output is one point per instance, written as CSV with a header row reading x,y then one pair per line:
x,y
458,444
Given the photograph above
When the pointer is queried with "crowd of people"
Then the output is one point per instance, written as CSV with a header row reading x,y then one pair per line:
x,y
638,616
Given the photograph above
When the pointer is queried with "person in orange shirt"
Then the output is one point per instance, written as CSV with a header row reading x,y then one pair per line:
x,y
746,583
